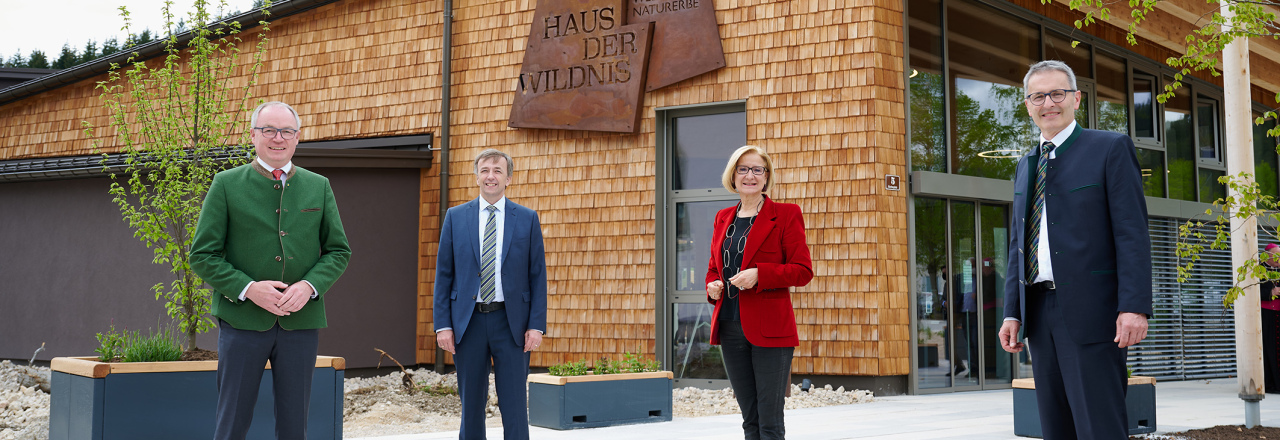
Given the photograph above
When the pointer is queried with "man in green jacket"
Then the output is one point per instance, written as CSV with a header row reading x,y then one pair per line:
x,y
270,243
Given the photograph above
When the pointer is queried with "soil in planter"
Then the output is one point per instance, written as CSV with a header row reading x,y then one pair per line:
x,y
1221,432
200,354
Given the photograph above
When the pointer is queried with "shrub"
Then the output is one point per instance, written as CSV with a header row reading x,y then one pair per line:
x,y
578,368
160,346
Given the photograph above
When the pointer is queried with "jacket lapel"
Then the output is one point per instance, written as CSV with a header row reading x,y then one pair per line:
x,y
765,220
471,227
507,229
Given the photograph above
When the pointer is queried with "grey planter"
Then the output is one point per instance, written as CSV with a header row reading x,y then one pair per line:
x,y
1140,404
592,401
170,400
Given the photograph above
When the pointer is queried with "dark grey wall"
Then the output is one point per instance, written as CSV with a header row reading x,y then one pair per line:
x,y
70,267
375,303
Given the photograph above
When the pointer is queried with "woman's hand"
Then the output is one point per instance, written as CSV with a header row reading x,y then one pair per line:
x,y
714,288
745,279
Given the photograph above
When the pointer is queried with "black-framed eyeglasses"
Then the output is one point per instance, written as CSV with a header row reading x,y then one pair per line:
x,y
1056,95
759,171
269,132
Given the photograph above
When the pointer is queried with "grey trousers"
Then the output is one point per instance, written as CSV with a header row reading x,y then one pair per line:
x,y
242,358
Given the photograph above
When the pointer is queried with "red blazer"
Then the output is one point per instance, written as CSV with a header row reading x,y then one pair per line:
x,y
776,248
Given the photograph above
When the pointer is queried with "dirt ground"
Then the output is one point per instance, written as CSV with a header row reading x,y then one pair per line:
x,y
1223,432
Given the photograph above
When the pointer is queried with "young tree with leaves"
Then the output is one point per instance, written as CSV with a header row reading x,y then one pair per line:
x,y
176,123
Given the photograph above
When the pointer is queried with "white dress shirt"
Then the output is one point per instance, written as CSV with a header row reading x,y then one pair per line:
x,y
1046,266
500,217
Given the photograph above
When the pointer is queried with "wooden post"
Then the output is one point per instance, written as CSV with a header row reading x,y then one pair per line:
x,y
1244,231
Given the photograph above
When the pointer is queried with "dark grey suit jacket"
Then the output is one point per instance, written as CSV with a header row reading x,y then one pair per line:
x,y
1101,251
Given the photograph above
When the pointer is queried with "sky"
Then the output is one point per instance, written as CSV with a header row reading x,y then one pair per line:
x,y
48,24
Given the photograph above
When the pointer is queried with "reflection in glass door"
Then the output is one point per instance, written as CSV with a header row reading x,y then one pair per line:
x,y
961,260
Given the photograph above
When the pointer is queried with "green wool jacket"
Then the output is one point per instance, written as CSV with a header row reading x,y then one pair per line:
x,y
253,229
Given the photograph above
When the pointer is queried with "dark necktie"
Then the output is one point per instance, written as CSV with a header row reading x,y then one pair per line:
x,y
489,256
277,173
1037,210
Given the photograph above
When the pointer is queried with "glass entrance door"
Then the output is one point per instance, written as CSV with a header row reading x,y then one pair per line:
x,y
961,259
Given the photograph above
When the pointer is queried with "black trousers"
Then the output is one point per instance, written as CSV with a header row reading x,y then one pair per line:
x,y
242,358
1080,388
758,376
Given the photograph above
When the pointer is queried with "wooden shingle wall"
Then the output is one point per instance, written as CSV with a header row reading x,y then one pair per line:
x,y
824,92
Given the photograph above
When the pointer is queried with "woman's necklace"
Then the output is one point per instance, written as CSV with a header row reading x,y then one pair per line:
x,y
733,251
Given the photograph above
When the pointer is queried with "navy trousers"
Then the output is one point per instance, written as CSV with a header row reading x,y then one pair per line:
x,y
758,376
1080,388
242,358
488,338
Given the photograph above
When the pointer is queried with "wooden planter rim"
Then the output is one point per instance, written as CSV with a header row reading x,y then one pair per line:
x,y
1030,383
90,367
561,380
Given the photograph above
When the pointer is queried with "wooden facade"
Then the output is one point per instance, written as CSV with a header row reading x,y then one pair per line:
x,y
823,82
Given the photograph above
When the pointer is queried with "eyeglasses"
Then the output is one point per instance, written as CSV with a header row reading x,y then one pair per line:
x,y
759,171
286,133
1056,95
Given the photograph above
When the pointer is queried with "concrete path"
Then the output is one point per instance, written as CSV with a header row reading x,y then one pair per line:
x,y
985,415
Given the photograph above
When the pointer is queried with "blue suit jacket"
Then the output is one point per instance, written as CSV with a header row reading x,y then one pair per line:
x,y
1097,232
523,271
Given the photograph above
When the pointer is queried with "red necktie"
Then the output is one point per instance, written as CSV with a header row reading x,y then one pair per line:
x,y
277,173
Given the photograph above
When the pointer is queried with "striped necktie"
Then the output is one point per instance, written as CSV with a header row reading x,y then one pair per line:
x,y
1033,236
489,256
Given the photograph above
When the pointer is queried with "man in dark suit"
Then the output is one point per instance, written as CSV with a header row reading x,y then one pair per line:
x,y
491,297
270,243
1079,274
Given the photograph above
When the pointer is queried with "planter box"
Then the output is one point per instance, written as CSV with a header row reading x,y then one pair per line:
x,y
927,355
571,402
1139,401
93,400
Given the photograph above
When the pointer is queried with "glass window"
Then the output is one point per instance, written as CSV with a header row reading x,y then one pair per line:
x,y
1210,188
961,289
928,121
1207,133
1153,174
694,224
693,356
1265,160
989,52
1113,108
1144,108
703,144
1180,146
931,300
1058,47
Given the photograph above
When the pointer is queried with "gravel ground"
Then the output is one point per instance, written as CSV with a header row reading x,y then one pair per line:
x,y
378,406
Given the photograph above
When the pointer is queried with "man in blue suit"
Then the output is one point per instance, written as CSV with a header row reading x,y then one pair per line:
x,y
491,297
1079,262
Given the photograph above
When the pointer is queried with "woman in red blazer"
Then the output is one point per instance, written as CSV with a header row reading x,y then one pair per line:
x,y
758,253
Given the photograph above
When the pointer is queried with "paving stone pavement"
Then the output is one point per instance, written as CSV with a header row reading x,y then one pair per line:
x,y
985,415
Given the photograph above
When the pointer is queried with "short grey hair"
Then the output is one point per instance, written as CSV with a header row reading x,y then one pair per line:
x,y
1047,66
492,153
253,120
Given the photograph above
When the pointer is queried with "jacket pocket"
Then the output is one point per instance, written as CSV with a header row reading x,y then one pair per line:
x,y
1102,272
311,210
1085,187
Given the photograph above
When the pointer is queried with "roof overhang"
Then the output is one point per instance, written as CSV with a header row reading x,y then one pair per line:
x,y
150,50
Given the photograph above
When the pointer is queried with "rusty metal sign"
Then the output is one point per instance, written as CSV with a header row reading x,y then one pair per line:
x,y
686,40
584,68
